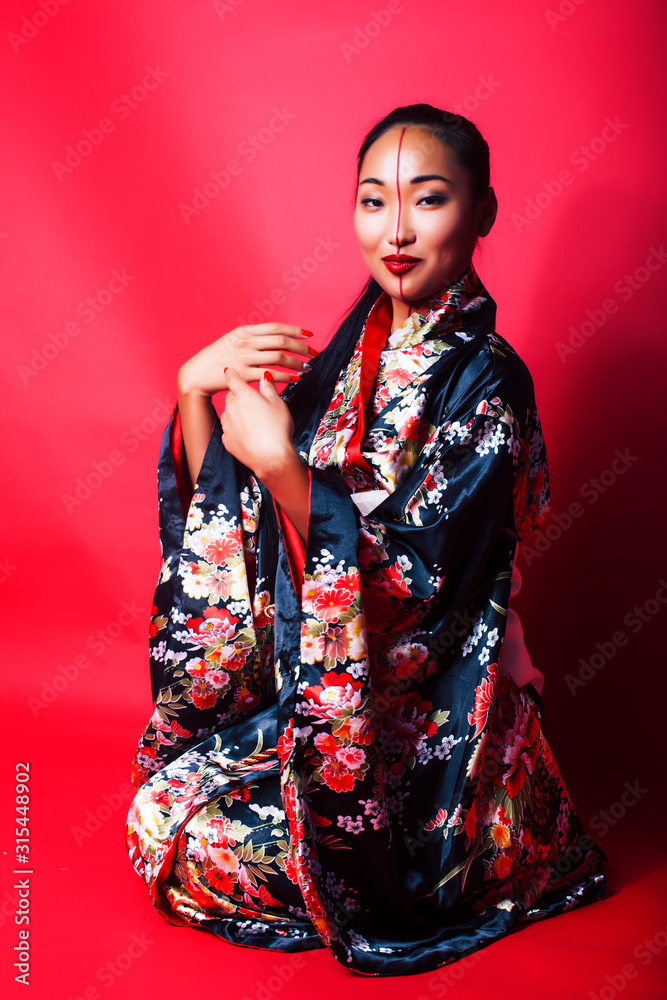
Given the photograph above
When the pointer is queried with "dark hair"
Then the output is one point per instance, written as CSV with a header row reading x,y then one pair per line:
x,y
472,151
311,394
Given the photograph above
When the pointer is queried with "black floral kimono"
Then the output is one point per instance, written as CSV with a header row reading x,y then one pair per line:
x,y
338,756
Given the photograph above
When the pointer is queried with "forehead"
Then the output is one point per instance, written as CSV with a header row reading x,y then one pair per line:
x,y
420,153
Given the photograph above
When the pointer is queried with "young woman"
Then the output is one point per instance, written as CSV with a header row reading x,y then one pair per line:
x,y
347,748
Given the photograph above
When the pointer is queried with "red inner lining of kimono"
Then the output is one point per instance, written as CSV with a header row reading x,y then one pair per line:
x,y
376,332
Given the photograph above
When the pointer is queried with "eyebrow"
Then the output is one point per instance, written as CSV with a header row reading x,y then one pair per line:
x,y
415,180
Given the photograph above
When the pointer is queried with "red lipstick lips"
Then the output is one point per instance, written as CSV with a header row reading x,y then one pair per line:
x,y
399,263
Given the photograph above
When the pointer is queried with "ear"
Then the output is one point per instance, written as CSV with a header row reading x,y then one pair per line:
x,y
486,212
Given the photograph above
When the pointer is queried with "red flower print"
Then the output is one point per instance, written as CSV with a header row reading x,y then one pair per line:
x,y
222,549
339,693
219,880
399,377
470,823
502,816
406,660
222,832
521,750
409,725
266,898
216,624
291,869
484,695
320,820
197,668
245,699
286,743
439,820
502,866
393,577
358,728
336,775
202,695
218,679
230,656
351,582
352,757
501,835
325,743
179,731
240,794
330,604
335,643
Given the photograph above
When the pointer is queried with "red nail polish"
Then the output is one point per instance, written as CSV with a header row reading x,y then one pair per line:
x,y
267,376
294,378
224,371
313,351
307,333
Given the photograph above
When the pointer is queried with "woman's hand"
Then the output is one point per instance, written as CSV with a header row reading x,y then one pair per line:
x,y
257,427
250,350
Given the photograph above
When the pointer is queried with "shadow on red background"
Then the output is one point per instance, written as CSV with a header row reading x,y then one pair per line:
x,y
84,412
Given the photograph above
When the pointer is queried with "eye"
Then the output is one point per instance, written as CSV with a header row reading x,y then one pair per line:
x,y
371,202
433,199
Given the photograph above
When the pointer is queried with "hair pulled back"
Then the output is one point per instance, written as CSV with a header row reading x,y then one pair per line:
x,y
311,394
455,131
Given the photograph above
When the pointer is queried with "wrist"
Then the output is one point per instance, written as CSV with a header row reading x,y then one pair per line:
x,y
186,385
285,463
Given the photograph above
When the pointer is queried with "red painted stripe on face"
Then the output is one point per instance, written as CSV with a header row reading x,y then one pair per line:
x,y
398,217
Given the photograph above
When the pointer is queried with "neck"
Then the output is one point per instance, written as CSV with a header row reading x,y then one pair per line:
x,y
401,309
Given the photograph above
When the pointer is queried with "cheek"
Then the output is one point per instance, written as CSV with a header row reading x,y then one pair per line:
x,y
367,232
443,234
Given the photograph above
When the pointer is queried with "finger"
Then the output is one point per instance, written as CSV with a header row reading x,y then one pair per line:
x,y
266,386
269,359
282,346
277,328
235,381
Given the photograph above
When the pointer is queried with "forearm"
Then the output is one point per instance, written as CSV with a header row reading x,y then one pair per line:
x,y
289,484
198,417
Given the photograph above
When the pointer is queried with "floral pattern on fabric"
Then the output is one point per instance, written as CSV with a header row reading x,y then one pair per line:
x,y
409,784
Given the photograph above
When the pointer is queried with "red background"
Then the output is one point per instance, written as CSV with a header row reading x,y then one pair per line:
x,y
541,83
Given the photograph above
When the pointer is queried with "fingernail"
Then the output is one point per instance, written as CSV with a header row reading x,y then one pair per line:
x,y
224,371
313,351
294,378
268,376
307,333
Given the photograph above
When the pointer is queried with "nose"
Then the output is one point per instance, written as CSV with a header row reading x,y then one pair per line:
x,y
401,233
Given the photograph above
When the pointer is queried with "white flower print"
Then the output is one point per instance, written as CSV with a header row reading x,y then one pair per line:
x,y
489,438
478,630
444,749
351,825
157,653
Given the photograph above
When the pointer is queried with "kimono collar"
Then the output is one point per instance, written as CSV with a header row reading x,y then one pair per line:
x,y
462,308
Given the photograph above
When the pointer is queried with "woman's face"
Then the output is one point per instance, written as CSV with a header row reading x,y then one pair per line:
x,y
414,201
